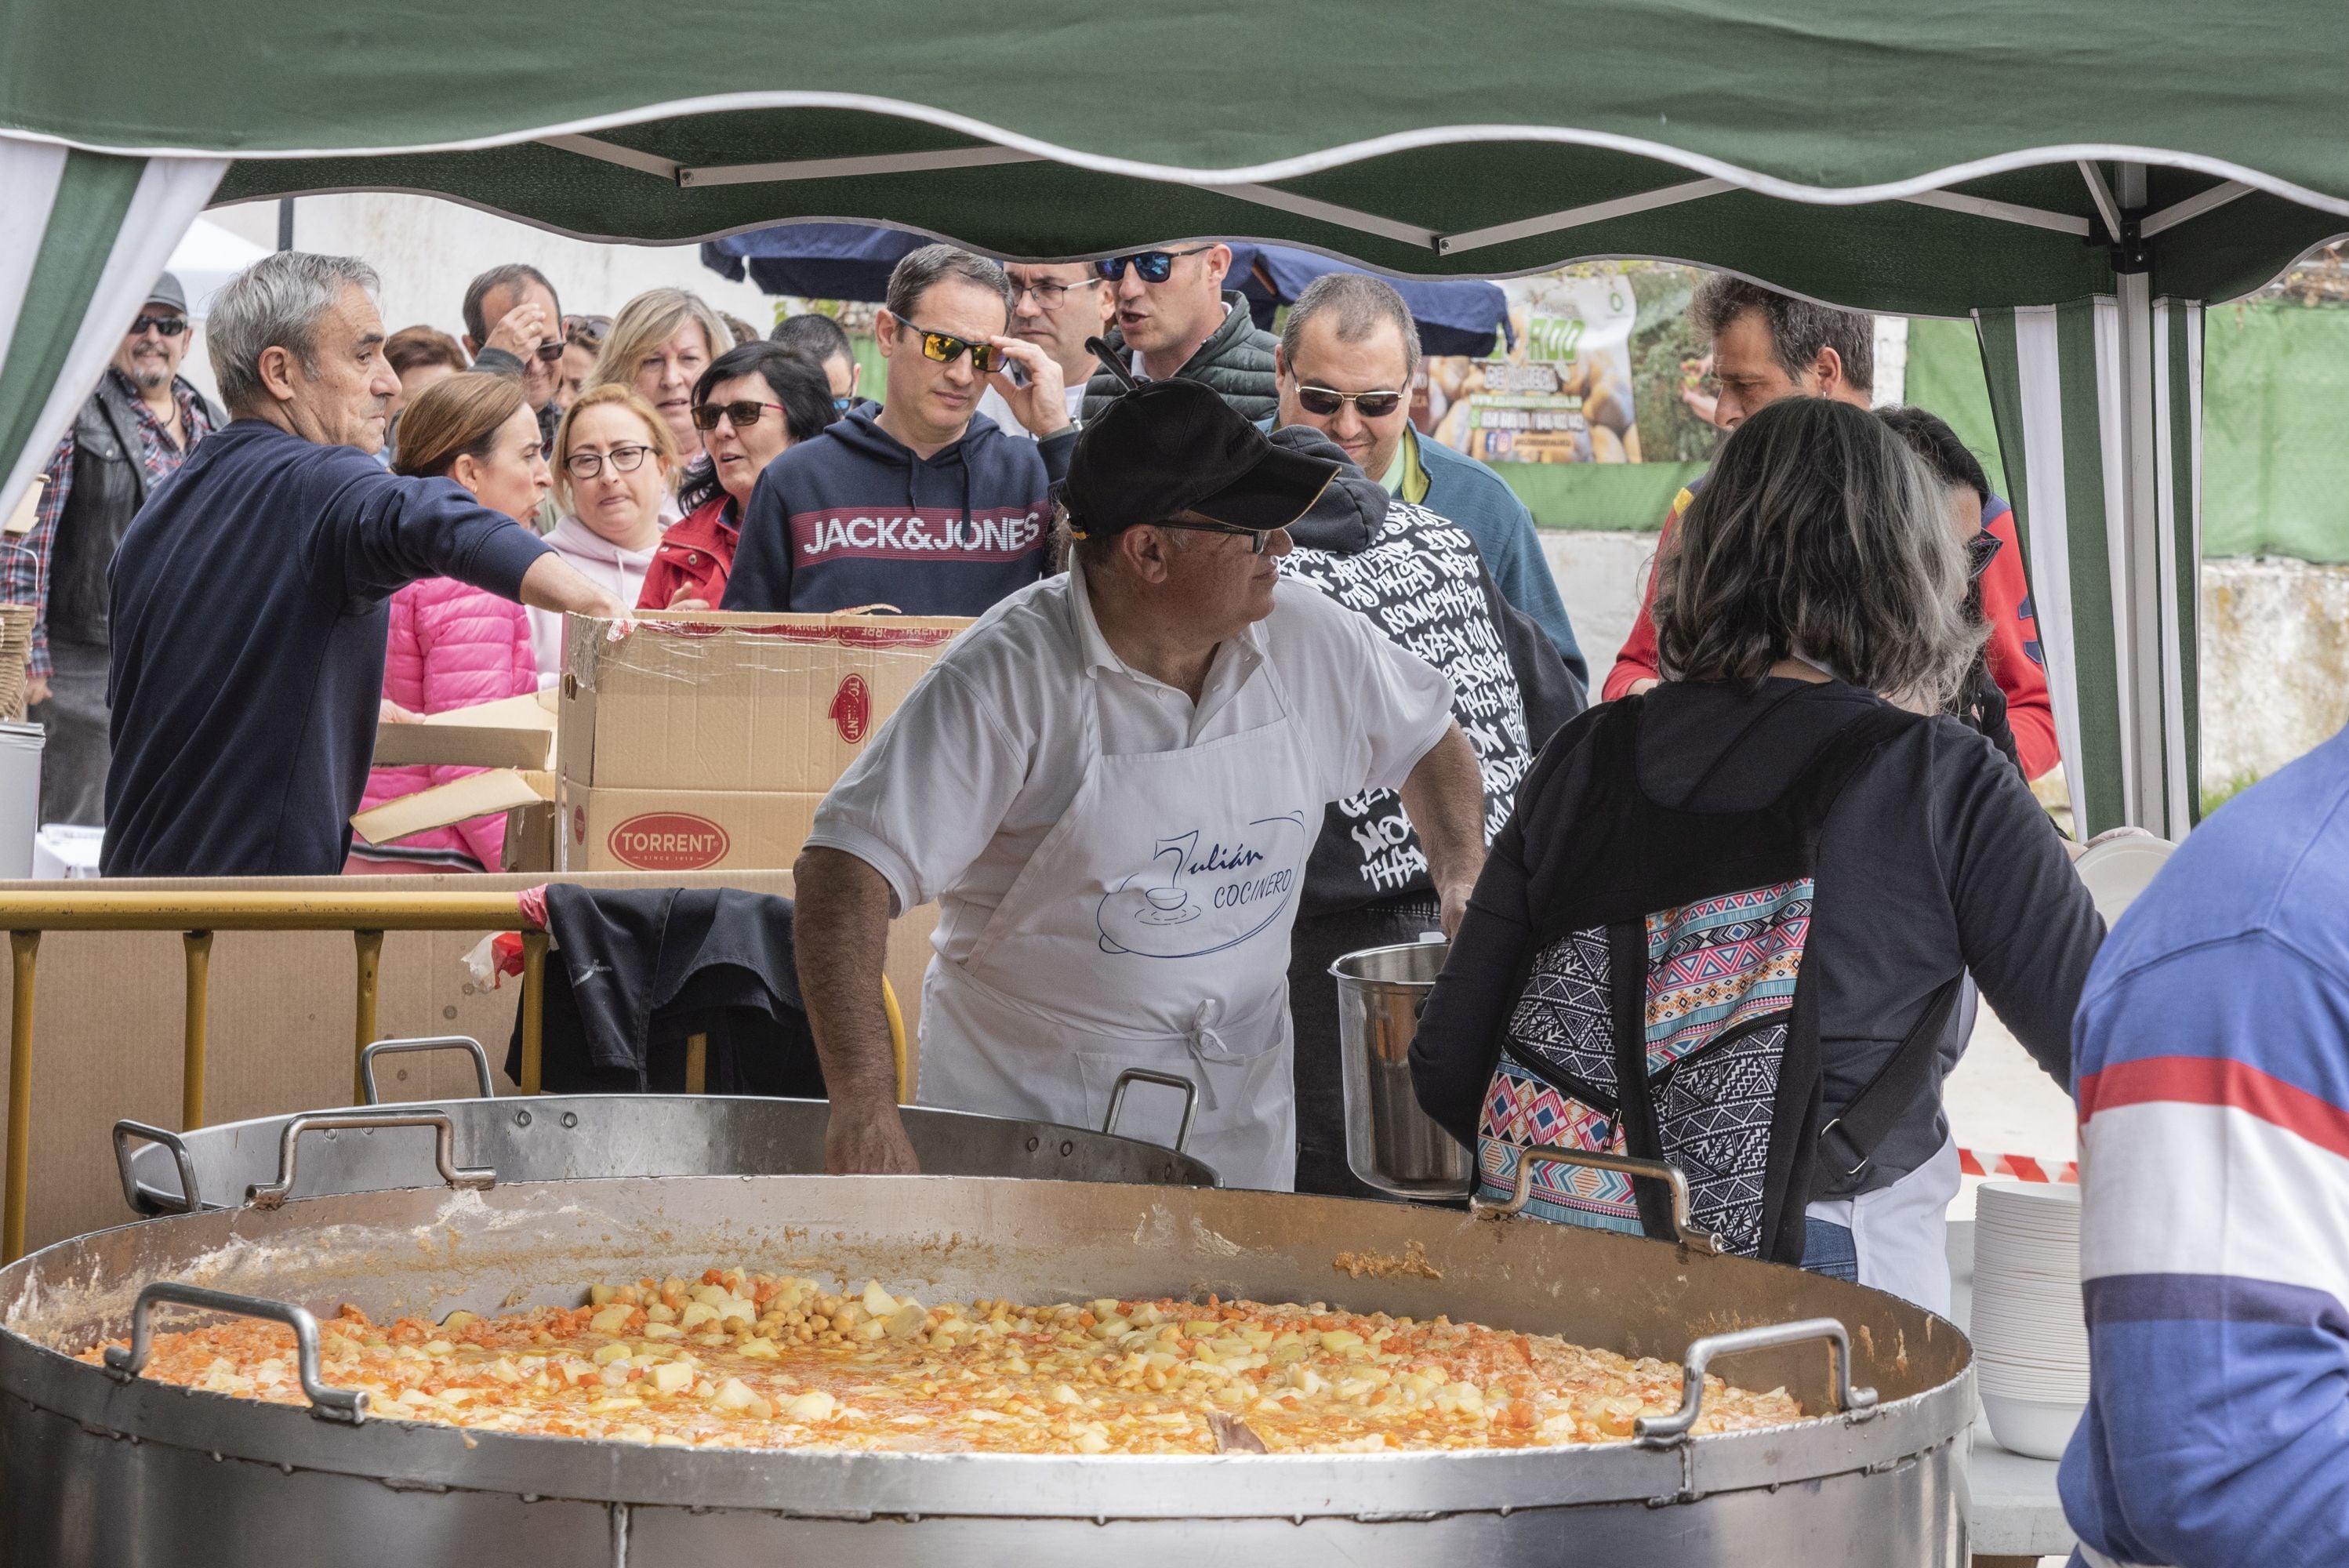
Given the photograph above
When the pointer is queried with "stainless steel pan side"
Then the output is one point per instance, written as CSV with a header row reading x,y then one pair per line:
x,y
550,1137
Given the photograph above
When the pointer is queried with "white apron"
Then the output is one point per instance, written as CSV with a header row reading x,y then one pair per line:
x,y
1149,930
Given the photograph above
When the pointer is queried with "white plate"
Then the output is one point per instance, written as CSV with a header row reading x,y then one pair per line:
x,y
2029,1428
2117,870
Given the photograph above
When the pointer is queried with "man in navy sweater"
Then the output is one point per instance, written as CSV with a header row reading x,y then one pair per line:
x,y
249,594
922,504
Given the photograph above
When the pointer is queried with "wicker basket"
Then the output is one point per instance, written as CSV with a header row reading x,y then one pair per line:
x,y
15,653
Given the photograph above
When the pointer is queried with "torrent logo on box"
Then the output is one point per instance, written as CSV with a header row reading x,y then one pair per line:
x,y
852,709
668,841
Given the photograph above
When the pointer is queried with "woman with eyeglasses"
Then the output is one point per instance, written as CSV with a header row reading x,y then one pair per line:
x,y
754,402
453,645
659,345
1728,923
614,465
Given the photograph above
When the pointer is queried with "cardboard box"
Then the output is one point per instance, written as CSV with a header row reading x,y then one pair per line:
x,y
513,732
680,830
734,701
528,843
444,805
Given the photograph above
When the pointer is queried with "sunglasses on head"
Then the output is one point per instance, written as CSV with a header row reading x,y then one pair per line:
x,y
169,325
1324,402
742,415
945,349
1150,266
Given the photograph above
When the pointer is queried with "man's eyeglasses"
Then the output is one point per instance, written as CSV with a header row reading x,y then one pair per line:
x,y
1258,538
945,349
1150,266
624,460
1324,402
742,415
842,404
1049,295
169,325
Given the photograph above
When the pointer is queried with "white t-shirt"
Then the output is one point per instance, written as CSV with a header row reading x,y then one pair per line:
x,y
965,780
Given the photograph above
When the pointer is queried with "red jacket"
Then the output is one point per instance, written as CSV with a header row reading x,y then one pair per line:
x,y
2015,662
696,553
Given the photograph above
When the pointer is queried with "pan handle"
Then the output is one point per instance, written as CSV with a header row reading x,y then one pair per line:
x,y
1171,1080
1628,1165
269,1195
146,1200
345,1405
1663,1431
425,1043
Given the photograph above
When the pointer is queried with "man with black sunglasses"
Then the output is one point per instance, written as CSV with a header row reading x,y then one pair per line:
x,y
920,501
137,429
1173,318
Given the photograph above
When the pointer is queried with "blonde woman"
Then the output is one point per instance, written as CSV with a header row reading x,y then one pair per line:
x,y
659,345
614,463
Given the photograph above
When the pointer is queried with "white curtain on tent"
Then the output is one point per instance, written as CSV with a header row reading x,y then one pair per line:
x,y
46,229
2100,424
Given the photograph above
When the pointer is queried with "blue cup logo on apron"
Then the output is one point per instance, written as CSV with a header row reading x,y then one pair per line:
x,y
1195,898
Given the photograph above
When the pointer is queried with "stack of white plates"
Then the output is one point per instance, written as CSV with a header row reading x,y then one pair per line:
x,y
2031,1345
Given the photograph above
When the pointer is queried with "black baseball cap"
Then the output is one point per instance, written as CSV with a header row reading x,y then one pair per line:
x,y
1173,446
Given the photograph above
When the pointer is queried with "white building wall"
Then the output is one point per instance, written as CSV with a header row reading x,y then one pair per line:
x,y
428,250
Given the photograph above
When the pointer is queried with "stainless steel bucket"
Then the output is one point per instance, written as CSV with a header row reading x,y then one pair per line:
x,y
1390,1143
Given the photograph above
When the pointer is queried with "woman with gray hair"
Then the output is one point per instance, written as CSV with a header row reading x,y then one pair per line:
x,y
1727,925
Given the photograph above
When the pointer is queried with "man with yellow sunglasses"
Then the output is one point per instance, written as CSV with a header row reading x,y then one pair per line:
x,y
924,502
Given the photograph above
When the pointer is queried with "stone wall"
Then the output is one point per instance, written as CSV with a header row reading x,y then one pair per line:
x,y
2274,666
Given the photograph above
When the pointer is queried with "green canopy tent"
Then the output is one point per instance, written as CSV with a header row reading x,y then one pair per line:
x,y
2077,178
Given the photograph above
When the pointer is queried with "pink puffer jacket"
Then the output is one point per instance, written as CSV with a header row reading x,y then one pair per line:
x,y
451,645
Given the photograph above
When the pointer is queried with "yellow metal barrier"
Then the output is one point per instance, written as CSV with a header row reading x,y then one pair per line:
x,y
367,916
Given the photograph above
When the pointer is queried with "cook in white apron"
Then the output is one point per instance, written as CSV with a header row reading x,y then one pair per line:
x,y
1150,929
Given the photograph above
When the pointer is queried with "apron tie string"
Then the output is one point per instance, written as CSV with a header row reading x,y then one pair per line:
x,y
1206,1046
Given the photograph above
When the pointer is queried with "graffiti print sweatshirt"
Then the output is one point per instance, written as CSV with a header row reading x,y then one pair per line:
x,y
854,518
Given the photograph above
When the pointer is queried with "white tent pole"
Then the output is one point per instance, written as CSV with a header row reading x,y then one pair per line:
x,y
2138,618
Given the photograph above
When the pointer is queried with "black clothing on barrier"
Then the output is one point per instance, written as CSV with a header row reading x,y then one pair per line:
x,y
635,971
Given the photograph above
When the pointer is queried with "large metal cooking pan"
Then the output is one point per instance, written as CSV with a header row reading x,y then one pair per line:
x,y
100,1468
557,1138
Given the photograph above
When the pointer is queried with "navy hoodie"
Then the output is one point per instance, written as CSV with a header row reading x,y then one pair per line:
x,y
249,622
854,517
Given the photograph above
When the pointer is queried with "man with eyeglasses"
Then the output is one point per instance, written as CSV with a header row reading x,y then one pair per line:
x,y
138,427
824,340
1112,785
513,326
1348,355
921,501
1174,318
1056,306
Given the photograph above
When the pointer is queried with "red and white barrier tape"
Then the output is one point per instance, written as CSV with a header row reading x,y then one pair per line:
x,y
2017,1167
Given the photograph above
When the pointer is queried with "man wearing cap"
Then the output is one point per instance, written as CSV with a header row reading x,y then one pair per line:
x,y
1111,784
135,432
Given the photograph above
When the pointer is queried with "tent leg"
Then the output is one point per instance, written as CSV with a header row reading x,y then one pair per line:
x,y
2145,664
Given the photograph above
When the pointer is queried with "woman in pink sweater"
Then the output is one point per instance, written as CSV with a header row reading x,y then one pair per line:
x,y
453,646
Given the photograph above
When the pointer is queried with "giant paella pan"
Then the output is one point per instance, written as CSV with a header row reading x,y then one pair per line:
x,y
103,1462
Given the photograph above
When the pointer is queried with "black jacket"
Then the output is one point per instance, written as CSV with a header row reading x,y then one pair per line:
x,y
109,486
1235,360
635,971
